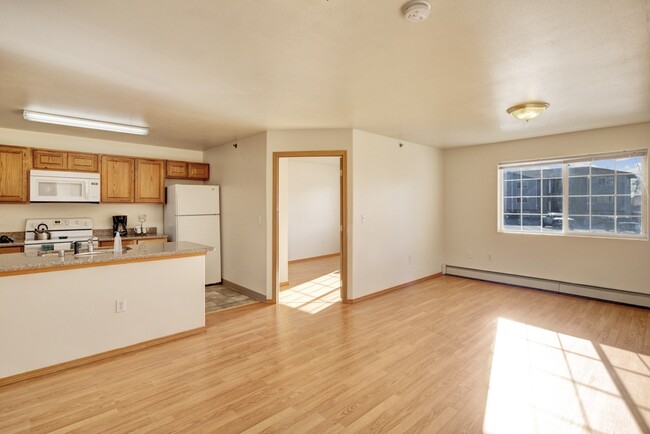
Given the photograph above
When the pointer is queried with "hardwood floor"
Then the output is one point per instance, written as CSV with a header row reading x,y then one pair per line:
x,y
314,284
445,355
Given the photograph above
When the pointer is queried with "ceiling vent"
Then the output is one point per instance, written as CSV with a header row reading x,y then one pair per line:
x,y
416,10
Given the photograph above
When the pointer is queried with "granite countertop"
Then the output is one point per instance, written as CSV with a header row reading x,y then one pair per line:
x,y
19,263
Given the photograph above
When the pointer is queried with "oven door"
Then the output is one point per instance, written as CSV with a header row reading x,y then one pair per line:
x,y
48,245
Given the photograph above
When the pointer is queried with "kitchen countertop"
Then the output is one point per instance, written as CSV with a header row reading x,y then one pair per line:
x,y
30,262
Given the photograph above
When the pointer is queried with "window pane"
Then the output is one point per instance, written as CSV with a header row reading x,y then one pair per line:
x,y
552,187
579,223
579,169
532,222
530,205
579,205
531,174
602,167
512,205
602,224
552,220
602,184
579,186
626,184
628,205
552,204
530,187
554,171
602,205
512,221
512,188
628,225
629,165
512,174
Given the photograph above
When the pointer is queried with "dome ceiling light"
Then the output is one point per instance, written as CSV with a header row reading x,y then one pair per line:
x,y
527,111
416,10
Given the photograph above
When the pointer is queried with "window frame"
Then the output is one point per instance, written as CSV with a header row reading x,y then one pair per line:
x,y
565,162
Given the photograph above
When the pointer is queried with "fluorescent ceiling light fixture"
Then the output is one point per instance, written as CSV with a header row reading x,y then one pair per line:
x,y
527,111
84,123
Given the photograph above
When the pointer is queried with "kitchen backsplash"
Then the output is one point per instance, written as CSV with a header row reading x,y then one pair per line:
x,y
12,216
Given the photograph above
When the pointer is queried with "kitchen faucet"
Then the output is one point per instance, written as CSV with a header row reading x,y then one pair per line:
x,y
91,246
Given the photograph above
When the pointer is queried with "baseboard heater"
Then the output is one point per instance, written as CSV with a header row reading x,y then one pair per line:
x,y
551,285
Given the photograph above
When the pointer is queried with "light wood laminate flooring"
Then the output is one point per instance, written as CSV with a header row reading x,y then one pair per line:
x,y
446,355
314,284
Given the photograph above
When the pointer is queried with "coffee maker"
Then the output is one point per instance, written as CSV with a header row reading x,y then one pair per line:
x,y
119,224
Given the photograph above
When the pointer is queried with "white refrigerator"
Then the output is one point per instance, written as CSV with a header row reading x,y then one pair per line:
x,y
192,214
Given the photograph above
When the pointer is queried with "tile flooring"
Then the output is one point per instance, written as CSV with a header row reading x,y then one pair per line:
x,y
218,297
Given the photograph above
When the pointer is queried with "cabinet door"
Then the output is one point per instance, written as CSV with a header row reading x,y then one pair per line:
x,y
83,162
152,241
149,181
199,171
44,159
117,179
13,174
176,169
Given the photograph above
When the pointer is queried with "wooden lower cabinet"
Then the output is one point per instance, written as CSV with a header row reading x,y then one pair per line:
x,y
109,243
13,249
14,163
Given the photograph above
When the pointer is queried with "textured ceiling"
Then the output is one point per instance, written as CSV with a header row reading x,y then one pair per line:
x,y
203,73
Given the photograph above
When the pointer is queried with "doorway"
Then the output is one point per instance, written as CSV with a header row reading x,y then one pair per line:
x,y
315,276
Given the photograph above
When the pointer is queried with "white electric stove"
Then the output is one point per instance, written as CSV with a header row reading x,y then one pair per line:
x,y
63,232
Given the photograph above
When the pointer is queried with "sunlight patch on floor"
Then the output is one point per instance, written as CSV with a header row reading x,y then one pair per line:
x,y
315,295
543,381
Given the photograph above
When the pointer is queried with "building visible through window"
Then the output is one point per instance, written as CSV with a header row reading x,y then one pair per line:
x,y
589,195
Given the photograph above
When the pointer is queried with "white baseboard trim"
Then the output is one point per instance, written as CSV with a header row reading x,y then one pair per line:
x,y
606,294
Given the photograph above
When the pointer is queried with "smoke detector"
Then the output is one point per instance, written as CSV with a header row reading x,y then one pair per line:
x,y
416,10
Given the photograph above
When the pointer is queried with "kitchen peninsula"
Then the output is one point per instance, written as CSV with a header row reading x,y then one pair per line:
x,y
57,312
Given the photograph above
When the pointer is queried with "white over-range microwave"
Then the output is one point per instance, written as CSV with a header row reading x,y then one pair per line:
x,y
53,186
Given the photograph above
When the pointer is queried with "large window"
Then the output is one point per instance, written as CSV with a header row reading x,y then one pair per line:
x,y
602,194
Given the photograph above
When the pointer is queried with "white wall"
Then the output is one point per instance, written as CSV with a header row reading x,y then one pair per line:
x,y
313,207
241,173
397,212
12,217
471,216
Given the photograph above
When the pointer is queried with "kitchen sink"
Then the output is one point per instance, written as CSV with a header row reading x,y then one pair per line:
x,y
101,251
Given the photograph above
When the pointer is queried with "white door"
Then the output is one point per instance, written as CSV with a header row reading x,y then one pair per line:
x,y
197,199
203,229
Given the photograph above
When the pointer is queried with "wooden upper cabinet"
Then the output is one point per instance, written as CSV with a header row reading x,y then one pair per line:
x,y
177,170
83,162
200,171
44,159
14,163
149,181
117,179
61,160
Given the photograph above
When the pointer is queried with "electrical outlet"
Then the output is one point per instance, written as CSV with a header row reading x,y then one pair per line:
x,y
490,257
120,305
409,259
470,254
